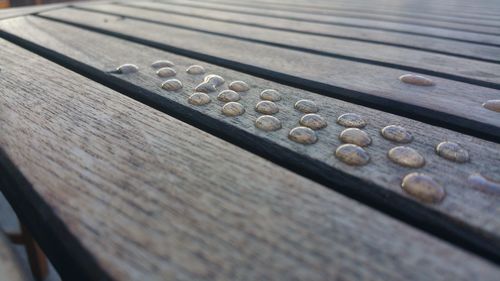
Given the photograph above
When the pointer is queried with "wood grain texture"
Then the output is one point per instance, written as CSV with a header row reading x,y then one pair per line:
x,y
449,102
140,191
10,269
464,207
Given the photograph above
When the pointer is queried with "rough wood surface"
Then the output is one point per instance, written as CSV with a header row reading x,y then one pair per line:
x,y
140,192
449,102
10,269
380,180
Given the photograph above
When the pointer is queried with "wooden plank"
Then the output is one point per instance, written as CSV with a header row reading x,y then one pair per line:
x,y
365,24
465,210
139,191
10,268
452,104
423,43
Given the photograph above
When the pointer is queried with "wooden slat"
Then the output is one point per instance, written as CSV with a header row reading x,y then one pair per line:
x,y
449,103
464,211
443,46
10,269
152,198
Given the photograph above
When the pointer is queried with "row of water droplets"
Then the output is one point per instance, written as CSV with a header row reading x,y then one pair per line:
x,y
352,152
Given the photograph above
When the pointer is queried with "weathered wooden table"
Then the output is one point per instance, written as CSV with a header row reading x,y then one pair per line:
x,y
126,175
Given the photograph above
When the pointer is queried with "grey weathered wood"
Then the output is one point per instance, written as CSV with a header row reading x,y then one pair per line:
x,y
10,269
451,97
332,31
448,65
463,203
152,198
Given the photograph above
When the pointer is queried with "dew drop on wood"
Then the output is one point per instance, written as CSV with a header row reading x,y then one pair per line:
x,y
493,105
233,109
210,83
228,95
452,151
423,188
127,68
199,99
268,123
270,95
352,154
417,80
306,106
484,184
172,85
355,136
351,120
195,69
239,86
303,135
162,63
396,134
266,107
313,121
406,156
166,72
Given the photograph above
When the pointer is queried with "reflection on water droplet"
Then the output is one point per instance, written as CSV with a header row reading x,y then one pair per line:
x,y
423,188
351,120
210,83
172,85
266,107
484,184
313,121
397,134
352,154
416,80
452,151
166,72
270,95
162,63
199,99
493,105
306,106
406,156
303,135
239,86
355,136
233,109
127,68
228,95
268,123
195,69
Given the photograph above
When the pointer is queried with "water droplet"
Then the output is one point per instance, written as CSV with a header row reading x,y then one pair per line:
x,y
493,105
352,154
484,184
199,99
268,123
406,156
355,136
195,69
313,121
452,151
233,109
172,85
239,86
162,63
351,120
127,68
266,107
423,188
228,95
416,80
210,83
303,135
166,72
397,134
306,106
270,95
